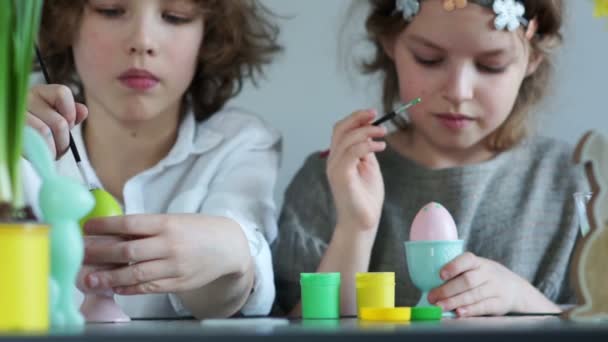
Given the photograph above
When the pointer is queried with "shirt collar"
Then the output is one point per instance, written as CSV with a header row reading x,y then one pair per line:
x,y
193,138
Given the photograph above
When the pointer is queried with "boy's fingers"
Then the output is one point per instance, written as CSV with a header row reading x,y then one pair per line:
x,y
44,130
82,112
60,98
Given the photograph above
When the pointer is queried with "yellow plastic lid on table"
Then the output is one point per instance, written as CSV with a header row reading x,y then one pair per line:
x,y
386,314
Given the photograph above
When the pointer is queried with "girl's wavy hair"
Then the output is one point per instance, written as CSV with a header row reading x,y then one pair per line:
x,y
240,39
383,23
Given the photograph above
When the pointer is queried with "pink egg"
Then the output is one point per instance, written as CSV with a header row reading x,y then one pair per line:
x,y
433,222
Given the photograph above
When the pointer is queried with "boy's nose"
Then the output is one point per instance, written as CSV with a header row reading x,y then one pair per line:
x,y
142,41
140,50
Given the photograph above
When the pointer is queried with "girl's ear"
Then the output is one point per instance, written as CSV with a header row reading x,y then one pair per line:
x,y
535,60
388,45
535,57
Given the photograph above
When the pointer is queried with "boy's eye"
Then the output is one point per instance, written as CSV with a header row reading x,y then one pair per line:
x,y
176,19
110,12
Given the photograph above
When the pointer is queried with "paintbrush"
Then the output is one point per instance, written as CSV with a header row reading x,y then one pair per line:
x,y
73,148
398,116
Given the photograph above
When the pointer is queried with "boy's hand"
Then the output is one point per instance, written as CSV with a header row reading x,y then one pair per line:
x,y
165,253
477,286
96,242
52,111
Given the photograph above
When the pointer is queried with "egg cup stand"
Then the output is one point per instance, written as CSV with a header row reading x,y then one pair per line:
x,y
62,203
425,259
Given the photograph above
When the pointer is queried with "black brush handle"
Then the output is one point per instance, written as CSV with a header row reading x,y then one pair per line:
x,y
47,78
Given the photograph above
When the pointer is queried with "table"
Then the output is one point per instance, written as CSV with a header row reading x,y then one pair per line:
x,y
486,329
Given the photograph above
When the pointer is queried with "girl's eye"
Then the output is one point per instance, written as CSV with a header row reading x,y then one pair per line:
x,y
427,62
110,12
491,69
176,19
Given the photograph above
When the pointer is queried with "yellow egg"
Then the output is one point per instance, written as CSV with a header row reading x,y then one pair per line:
x,y
105,206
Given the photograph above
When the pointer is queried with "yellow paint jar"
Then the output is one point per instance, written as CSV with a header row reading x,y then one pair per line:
x,y
24,277
375,290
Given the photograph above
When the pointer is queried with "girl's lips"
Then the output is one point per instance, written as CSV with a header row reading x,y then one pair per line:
x,y
454,121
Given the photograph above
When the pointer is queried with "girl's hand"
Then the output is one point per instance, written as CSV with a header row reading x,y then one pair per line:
x,y
476,286
165,253
52,111
353,171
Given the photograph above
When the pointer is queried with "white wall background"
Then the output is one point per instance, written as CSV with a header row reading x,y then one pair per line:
x,y
308,89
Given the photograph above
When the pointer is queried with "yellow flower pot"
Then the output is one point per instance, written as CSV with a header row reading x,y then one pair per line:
x,y
24,277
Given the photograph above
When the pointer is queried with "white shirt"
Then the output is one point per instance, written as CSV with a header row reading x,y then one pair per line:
x,y
225,166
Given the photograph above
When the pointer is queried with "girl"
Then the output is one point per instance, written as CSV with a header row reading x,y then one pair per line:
x,y
195,178
478,67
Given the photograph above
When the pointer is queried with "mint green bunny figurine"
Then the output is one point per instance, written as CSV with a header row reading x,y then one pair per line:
x,y
63,202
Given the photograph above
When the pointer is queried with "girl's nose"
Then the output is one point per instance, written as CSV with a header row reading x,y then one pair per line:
x,y
459,86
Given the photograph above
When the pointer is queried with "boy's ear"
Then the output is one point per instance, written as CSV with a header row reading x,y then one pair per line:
x,y
388,45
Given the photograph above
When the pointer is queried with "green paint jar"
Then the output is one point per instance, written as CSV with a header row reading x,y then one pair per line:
x,y
320,295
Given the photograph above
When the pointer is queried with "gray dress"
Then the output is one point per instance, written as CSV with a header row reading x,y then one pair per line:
x,y
516,209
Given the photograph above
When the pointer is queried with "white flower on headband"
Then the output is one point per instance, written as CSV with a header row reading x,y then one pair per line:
x,y
509,14
408,8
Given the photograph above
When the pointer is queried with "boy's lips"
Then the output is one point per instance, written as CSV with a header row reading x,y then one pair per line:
x,y
138,79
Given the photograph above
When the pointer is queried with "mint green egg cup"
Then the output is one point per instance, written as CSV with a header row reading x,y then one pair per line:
x,y
425,259
320,295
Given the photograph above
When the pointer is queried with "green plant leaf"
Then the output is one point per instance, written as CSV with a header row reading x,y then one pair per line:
x,y
6,50
26,15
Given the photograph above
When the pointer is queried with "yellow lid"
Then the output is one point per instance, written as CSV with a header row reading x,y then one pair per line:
x,y
402,314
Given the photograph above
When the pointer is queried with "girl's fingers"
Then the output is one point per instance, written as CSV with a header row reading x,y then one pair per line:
x,y
357,136
44,130
468,297
461,284
488,306
355,120
463,263
358,151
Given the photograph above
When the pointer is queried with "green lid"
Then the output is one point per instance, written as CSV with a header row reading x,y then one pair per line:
x,y
320,279
426,313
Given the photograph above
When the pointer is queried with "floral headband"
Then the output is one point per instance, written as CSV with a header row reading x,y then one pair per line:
x,y
509,13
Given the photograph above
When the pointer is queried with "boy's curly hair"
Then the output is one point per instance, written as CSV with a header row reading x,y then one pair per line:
x,y
381,23
240,39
